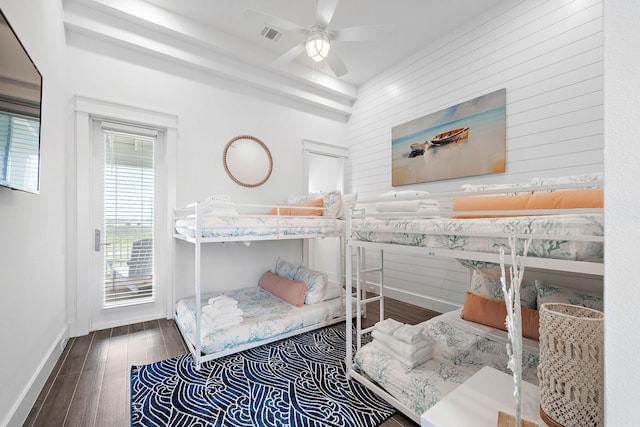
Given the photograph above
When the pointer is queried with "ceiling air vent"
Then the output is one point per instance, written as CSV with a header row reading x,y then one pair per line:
x,y
271,33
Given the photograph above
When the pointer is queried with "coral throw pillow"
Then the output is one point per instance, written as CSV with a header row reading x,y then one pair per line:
x,y
493,313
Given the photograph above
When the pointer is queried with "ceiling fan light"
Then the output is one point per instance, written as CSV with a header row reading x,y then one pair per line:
x,y
317,46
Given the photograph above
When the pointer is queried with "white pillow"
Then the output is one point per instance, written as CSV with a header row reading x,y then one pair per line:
x,y
403,193
333,291
285,269
332,202
316,284
490,187
583,178
556,294
490,287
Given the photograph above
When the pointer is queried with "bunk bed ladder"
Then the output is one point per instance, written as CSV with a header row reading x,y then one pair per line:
x,y
361,293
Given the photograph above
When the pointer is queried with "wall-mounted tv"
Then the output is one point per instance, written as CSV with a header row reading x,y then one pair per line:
x,y
20,102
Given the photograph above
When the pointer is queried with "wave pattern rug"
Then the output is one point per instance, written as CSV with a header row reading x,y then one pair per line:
x,y
299,381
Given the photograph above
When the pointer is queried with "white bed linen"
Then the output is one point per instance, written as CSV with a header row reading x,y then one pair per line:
x,y
219,227
424,232
462,349
264,316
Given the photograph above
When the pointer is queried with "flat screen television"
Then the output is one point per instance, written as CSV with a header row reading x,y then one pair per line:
x,y
20,104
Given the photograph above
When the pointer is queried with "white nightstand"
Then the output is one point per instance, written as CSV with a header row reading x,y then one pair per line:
x,y
477,401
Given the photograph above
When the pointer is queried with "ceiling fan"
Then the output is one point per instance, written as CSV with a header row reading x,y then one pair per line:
x,y
318,36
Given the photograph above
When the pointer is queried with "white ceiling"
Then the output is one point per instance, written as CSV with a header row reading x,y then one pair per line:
x,y
225,37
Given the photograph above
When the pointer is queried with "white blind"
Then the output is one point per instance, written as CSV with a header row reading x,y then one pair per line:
x,y
19,151
128,216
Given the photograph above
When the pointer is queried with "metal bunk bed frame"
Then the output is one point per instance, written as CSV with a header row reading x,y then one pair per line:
x,y
358,248
195,211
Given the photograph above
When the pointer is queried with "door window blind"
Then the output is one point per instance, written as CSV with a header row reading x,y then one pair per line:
x,y
128,217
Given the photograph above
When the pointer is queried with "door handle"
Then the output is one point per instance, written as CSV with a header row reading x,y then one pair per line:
x,y
97,239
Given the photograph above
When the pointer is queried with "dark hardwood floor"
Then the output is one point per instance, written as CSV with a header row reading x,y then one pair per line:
x,y
89,386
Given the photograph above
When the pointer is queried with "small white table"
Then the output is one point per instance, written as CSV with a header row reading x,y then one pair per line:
x,y
476,402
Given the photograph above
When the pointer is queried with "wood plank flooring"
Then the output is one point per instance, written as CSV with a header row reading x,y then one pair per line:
x,y
89,386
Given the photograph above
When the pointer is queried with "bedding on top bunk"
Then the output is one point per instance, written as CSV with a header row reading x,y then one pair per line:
x,y
427,232
461,349
308,215
214,226
264,316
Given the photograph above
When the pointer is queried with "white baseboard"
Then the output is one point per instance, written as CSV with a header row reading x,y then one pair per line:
x,y
21,408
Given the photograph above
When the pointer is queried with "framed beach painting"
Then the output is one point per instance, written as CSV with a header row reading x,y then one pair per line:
x,y
467,139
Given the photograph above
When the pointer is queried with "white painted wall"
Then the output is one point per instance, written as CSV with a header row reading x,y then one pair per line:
x,y
622,269
548,56
32,227
210,113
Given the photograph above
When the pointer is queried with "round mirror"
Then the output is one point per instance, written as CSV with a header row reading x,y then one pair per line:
x,y
247,161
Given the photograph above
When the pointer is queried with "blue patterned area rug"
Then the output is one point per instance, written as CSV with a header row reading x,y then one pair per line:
x,y
298,381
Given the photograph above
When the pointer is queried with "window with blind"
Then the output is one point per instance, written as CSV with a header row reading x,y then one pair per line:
x,y
19,151
128,217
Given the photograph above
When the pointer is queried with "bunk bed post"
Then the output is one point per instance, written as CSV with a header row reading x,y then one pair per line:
x,y
348,254
381,305
358,297
198,309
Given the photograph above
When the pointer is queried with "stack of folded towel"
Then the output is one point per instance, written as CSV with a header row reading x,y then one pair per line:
x,y
220,205
406,343
221,312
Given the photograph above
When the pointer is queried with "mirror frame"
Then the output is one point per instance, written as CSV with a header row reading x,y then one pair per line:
x,y
230,173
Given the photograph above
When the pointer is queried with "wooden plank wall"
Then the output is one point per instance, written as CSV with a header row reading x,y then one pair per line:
x,y
549,57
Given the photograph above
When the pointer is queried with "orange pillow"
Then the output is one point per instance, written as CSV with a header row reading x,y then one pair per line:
x,y
493,313
287,290
561,199
305,209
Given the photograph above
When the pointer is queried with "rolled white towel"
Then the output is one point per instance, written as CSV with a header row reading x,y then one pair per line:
x,y
222,301
402,348
409,333
222,322
408,206
418,358
215,313
403,193
388,326
218,198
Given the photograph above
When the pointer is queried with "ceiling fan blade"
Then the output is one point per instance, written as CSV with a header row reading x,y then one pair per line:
x,y
361,34
336,64
289,55
324,12
276,21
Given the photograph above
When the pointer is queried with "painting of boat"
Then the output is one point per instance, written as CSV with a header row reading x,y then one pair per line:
x,y
453,135
463,140
417,149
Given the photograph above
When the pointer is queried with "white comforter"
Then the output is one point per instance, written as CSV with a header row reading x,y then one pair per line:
x,y
264,316
462,349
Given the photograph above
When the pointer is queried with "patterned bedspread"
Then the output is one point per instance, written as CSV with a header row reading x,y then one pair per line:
x,y
427,232
218,227
462,349
264,316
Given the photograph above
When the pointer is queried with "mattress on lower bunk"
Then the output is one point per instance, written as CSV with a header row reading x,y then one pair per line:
x,y
462,348
428,232
259,226
264,316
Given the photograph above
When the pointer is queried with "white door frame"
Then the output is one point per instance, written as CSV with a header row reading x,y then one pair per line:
x,y
80,236
323,247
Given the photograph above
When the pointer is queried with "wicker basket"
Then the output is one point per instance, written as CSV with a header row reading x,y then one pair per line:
x,y
571,369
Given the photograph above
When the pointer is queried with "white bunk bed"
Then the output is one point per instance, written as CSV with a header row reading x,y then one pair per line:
x,y
563,239
266,318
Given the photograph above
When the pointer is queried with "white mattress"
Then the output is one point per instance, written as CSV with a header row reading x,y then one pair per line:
x,y
259,226
265,316
428,232
462,349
